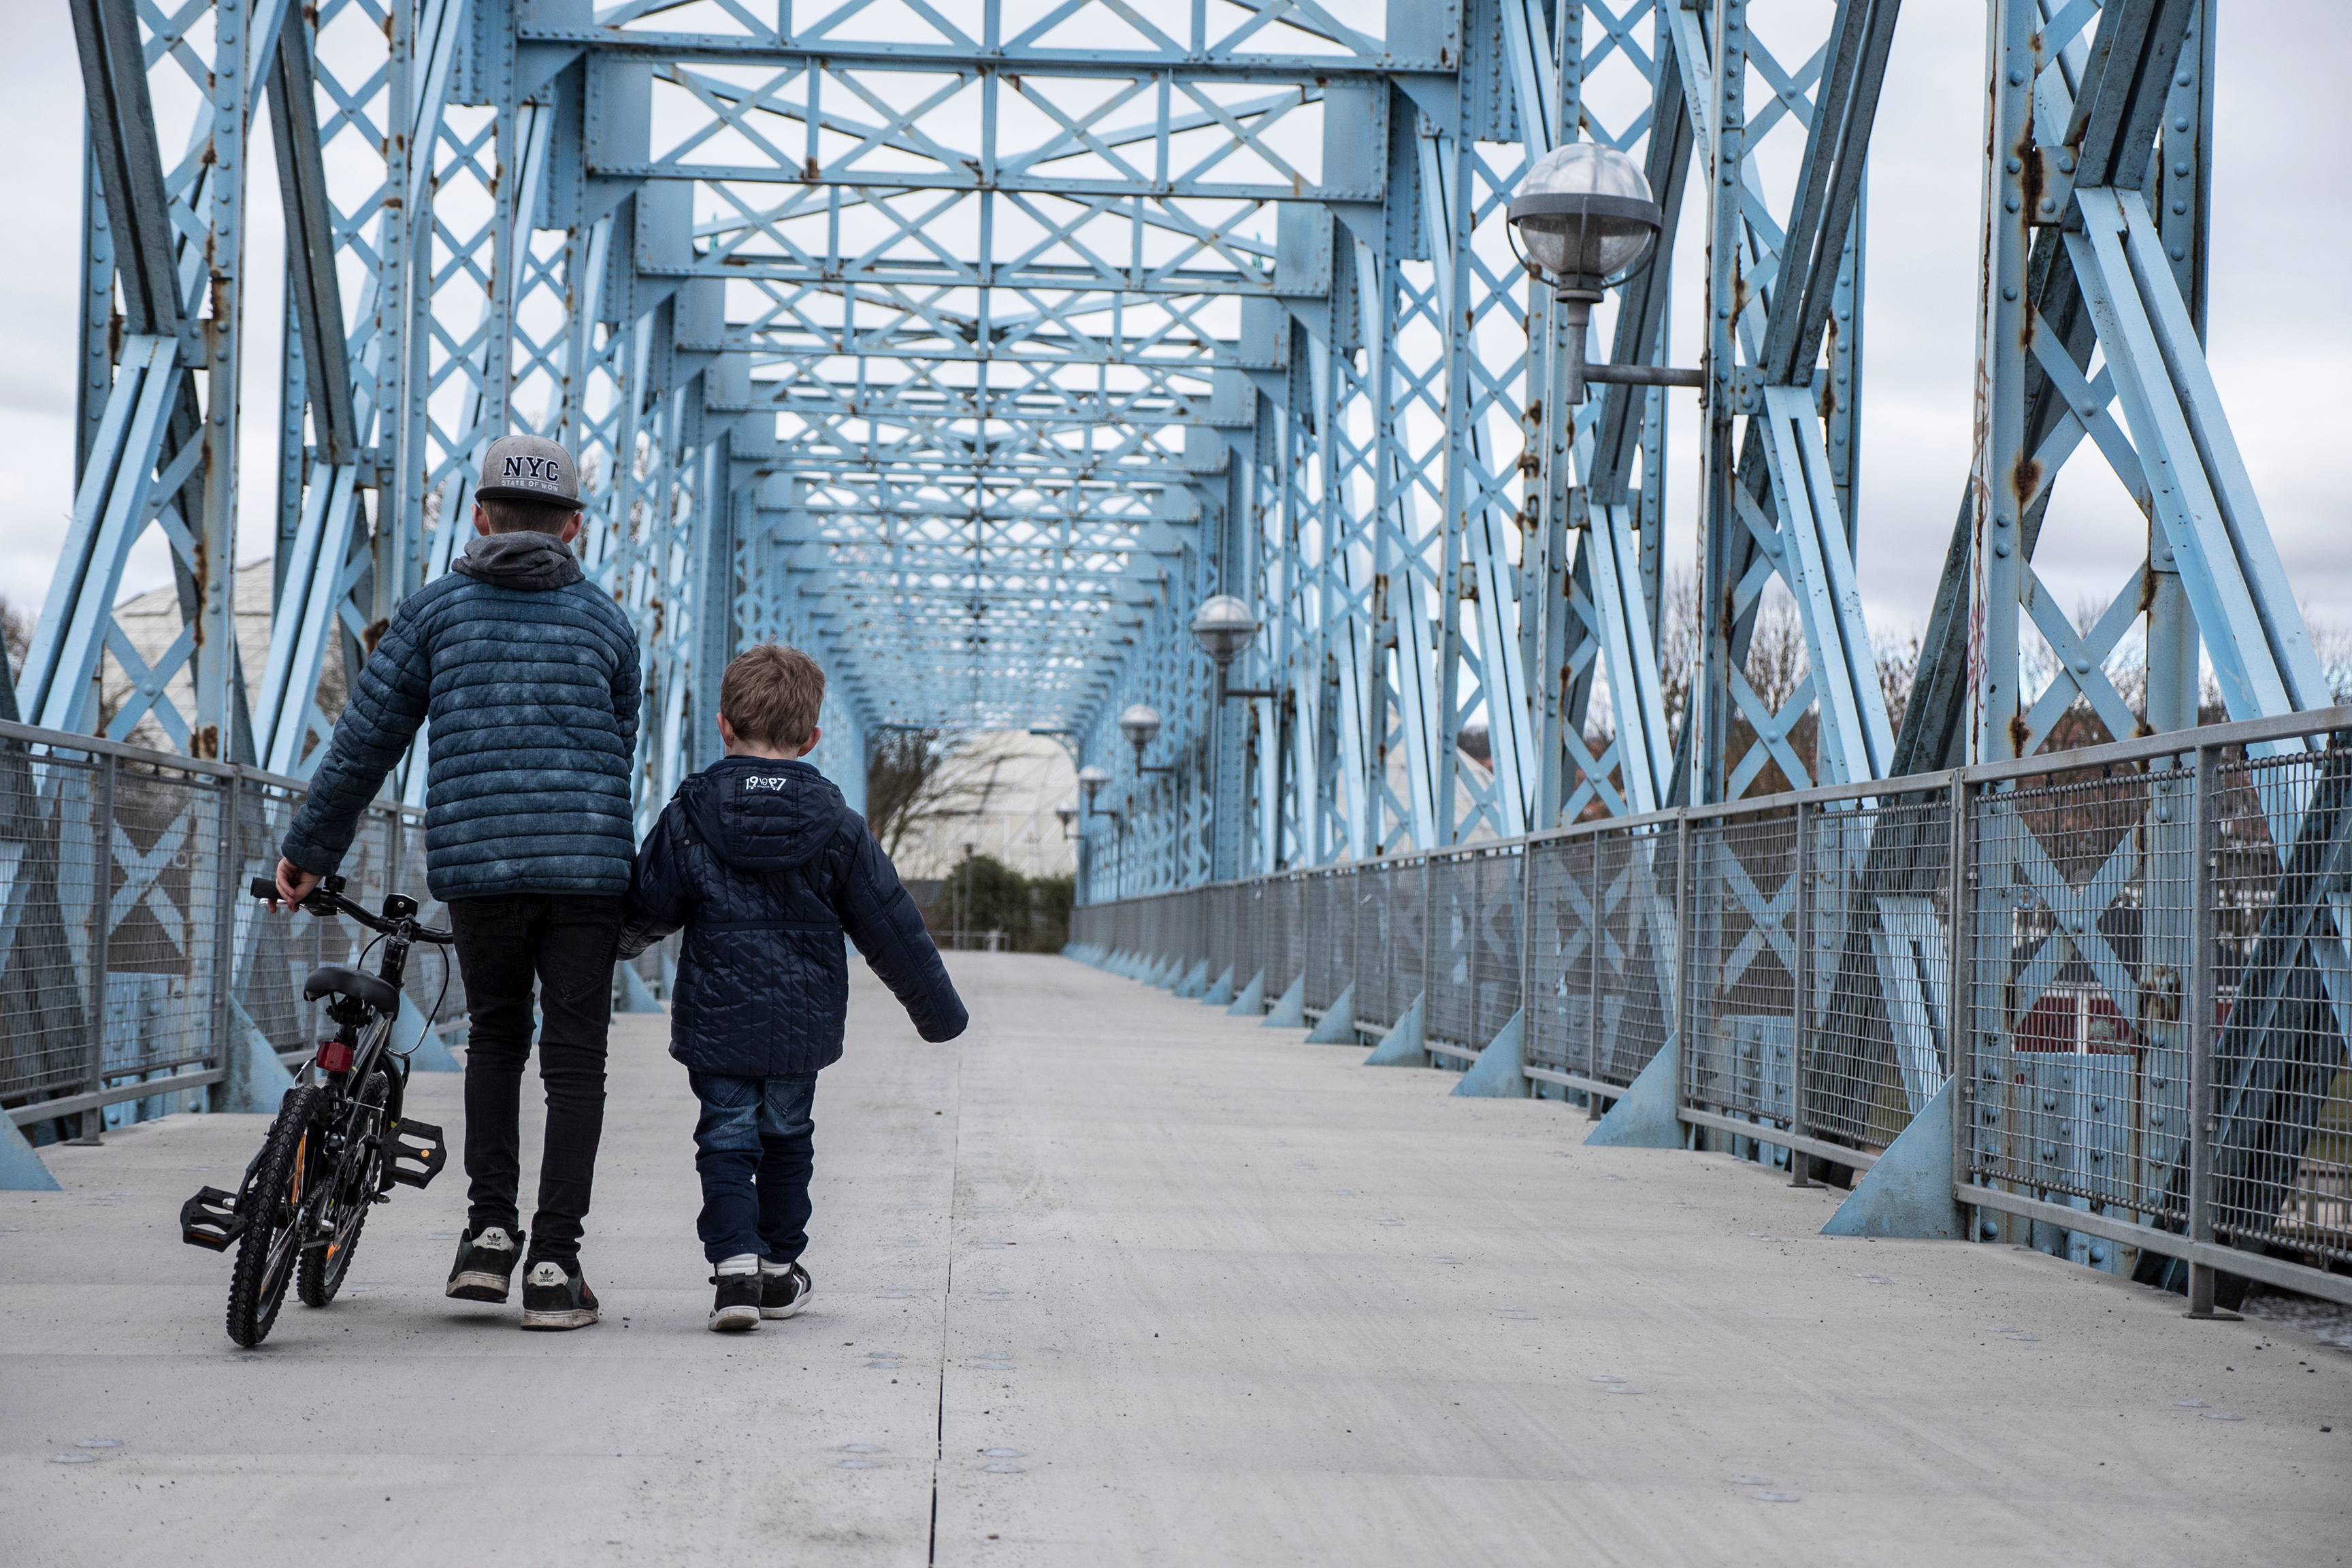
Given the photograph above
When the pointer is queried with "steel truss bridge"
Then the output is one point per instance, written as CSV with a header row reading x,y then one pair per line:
x,y
975,345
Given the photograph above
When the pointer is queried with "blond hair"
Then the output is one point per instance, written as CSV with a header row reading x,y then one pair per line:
x,y
771,695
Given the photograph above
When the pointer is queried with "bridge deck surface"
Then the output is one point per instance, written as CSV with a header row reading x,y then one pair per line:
x,y
1119,1279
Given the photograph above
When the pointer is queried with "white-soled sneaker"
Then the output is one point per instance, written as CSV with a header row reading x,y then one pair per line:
x,y
555,1298
784,1291
737,1306
486,1263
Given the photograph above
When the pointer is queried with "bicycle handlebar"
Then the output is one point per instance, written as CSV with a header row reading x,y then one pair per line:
x,y
325,900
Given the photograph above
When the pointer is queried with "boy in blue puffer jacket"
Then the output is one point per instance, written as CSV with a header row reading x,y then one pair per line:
x,y
526,674
763,864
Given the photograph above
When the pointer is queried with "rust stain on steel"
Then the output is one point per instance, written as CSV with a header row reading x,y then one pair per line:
x,y
200,571
2017,735
374,635
2146,589
2029,178
2025,478
1829,382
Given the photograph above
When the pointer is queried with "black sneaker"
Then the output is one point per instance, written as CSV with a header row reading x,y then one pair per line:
x,y
783,1293
486,1262
556,1296
737,1307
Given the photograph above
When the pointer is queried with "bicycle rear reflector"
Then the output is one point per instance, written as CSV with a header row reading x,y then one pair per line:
x,y
334,1055
418,1152
210,1220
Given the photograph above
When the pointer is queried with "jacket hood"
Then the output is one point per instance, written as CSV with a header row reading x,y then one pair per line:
x,y
762,815
534,562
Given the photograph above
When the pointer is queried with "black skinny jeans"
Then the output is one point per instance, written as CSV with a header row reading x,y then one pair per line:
x,y
566,943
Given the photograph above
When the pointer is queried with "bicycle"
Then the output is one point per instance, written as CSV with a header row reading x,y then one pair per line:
x,y
339,1142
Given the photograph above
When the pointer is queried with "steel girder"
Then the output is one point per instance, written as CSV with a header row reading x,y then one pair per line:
x,y
976,357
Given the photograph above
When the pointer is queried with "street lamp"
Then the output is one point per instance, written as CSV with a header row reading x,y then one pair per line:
x,y
1585,220
1223,626
1066,814
1091,779
1138,724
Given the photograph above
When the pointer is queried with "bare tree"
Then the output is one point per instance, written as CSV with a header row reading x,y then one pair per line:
x,y
911,781
1897,655
16,633
2332,641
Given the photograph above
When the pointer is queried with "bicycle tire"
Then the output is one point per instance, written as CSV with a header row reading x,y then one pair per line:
x,y
324,1268
256,1289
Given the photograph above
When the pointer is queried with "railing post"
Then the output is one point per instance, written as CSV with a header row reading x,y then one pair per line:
x,y
1959,1033
1428,929
226,892
1800,933
1592,935
2197,1033
1684,882
101,920
1527,948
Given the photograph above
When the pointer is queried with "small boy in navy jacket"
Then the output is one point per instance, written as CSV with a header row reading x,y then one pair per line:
x,y
763,864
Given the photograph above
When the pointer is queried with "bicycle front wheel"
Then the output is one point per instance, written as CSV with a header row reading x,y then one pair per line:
x,y
276,1199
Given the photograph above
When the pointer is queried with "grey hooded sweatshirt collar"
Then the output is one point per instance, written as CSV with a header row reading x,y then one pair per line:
x,y
525,559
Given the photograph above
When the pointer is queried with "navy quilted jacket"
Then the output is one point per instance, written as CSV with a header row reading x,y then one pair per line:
x,y
527,675
765,867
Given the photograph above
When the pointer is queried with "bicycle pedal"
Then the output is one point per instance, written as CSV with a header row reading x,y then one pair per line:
x,y
418,1152
210,1220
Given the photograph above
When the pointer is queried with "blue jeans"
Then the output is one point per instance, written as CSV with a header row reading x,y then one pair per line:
x,y
754,1148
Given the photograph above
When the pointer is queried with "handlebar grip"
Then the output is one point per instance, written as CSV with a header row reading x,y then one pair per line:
x,y
264,888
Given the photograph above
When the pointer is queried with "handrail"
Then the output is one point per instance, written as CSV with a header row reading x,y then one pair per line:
x,y
2138,749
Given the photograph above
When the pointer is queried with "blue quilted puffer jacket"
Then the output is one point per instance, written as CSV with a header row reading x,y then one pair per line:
x,y
527,675
765,867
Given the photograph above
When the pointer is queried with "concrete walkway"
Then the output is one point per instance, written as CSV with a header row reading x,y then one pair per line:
x,y
1119,1280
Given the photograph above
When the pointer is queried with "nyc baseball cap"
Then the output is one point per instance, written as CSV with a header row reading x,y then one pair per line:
x,y
529,467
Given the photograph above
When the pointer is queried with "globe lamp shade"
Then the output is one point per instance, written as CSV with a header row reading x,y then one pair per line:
x,y
1586,219
1223,626
1138,724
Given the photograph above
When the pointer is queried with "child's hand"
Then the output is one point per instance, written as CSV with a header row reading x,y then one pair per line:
x,y
294,884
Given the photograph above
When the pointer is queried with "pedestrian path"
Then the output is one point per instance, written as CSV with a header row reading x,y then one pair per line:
x,y
1119,1280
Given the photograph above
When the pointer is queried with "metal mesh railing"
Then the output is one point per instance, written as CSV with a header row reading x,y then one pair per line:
x,y
1744,963
2079,945
130,952
1637,899
1879,1004
1562,939
1329,929
1451,1011
1477,907
2137,943
2280,838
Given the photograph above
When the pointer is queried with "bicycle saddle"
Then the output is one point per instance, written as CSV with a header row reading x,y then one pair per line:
x,y
369,989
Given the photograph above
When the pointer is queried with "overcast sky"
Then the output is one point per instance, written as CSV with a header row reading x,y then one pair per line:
x,y
2280,339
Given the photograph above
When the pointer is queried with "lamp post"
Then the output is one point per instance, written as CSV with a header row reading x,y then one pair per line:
x,y
1139,723
1585,220
1091,779
963,905
1223,626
